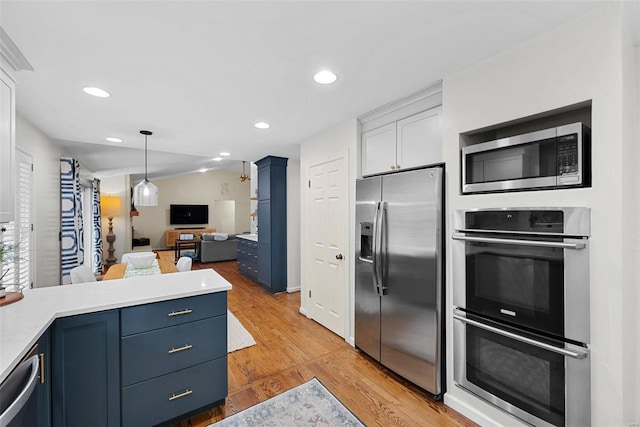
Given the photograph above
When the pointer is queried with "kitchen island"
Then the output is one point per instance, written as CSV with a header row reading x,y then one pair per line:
x,y
195,300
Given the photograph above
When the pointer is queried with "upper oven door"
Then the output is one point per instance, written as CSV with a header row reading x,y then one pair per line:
x,y
535,282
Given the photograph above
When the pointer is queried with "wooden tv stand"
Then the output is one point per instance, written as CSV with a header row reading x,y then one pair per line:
x,y
173,235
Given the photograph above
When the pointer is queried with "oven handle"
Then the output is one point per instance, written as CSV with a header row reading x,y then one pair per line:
x,y
458,236
535,343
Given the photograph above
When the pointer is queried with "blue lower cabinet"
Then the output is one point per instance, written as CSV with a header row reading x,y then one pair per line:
x,y
85,387
248,258
169,372
43,388
137,366
164,398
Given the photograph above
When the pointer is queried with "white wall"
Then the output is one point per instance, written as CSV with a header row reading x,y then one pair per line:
x,y
46,199
293,225
194,189
330,144
587,59
630,199
636,281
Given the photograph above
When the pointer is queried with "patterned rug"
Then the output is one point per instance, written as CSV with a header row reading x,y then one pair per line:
x,y
309,404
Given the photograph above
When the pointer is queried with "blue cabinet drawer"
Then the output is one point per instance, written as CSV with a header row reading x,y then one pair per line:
x,y
247,245
151,354
157,315
161,399
244,257
247,242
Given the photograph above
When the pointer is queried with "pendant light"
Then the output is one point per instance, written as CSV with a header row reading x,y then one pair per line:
x,y
244,176
145,193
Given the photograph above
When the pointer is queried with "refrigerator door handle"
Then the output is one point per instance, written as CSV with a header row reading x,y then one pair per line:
x,y
374,250
380,251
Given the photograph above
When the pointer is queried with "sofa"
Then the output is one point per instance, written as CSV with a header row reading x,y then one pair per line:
x,y
218,247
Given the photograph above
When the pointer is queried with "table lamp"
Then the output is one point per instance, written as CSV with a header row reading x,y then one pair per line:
x,y
110,206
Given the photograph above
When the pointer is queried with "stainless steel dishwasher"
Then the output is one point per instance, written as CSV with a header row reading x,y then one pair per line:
x,y
18,405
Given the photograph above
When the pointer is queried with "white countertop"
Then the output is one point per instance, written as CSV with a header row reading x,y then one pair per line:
x,y
252,237
23,322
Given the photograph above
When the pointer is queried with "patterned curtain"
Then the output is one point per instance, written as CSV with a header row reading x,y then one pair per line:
x,y
97,229
72,243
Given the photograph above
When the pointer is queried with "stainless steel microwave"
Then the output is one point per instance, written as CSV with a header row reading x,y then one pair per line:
x,y
558,157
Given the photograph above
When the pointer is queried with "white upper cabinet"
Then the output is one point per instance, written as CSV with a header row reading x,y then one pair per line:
x,y
408,143
403,135
379,150
419,140
7,147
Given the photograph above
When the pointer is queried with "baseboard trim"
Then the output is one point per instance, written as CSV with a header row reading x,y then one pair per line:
x,y
455,403
468,411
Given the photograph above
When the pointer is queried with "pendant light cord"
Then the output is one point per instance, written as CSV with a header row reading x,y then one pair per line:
x,y
145,158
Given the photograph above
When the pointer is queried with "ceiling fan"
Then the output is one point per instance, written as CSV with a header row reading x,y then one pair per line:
x,y
244,176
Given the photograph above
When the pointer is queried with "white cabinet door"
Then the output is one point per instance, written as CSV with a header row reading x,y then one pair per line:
x,y
379,150
419,139
7,147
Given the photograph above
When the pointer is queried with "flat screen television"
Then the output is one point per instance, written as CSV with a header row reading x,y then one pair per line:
x,y
188,214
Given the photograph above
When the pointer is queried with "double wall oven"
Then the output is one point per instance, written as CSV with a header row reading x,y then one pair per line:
x,y
521,315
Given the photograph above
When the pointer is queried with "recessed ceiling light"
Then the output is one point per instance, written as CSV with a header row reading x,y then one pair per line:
x,y
96,91
112,139
224,153
325,77
262,125
217,159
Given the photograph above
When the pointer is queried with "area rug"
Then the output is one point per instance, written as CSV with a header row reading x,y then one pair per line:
x,y
309,404
237,336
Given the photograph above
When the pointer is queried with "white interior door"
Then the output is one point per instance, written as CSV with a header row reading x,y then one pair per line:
x,y
328,240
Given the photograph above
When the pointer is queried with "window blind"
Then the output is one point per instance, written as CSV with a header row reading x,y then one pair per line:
x,y
18,232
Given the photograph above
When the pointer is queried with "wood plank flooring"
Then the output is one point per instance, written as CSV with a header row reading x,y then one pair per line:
x,y
292,349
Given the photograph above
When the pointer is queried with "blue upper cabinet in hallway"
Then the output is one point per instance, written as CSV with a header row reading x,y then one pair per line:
x,y
272,223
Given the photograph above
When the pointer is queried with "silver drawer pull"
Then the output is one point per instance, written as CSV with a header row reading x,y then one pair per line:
x,y
179,349
187,392
179,313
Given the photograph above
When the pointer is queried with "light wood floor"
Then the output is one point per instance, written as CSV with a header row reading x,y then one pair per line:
x,y
292,349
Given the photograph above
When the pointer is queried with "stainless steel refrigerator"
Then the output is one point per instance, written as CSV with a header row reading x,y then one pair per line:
x,y
399,274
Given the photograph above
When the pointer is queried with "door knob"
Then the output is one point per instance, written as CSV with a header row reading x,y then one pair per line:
x,y
339,256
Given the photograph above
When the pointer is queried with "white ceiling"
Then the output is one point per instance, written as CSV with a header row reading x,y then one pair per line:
x,y
199,74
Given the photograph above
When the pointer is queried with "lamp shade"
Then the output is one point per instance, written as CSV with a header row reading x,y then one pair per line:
x,y
110,206
145,194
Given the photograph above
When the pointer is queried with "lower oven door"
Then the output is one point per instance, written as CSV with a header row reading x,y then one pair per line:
x,y
543,382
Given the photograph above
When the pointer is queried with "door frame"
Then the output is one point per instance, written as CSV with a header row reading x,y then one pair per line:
x,y
349,182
